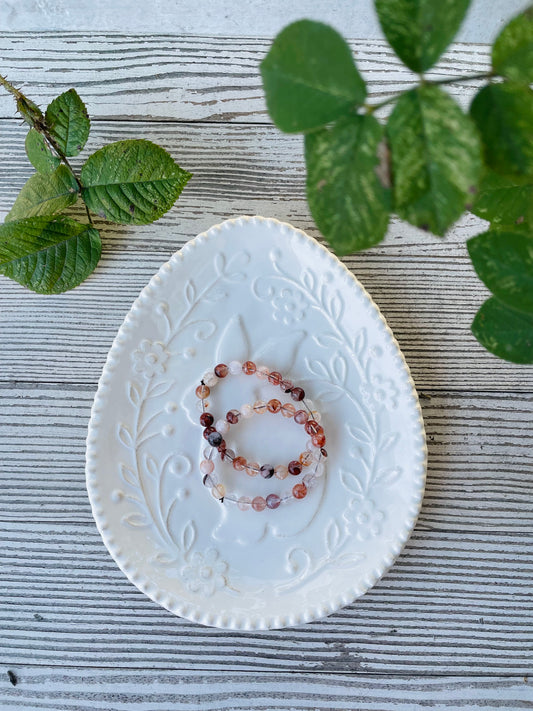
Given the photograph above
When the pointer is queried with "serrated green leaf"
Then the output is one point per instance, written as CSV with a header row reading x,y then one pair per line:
x,y
505,200
45,195
504,263
512,53
49,255
420,30
132,182
503,114
435,155
68,122
348,201
39,154
310,77
504,332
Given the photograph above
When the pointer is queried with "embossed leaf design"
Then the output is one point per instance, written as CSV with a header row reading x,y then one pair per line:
x,y
151,467
190,292
164,559
136,520
317,367
124,436
298,561
359,343
188,537
129,476
327,340
359,434
351,482
330,395
387,441
388,476
349,560
160,388
340,369
335,307
134,395
308,280
219,264
333,536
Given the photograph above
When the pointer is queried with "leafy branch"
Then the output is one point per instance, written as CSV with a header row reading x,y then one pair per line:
x,y
430,161
127,182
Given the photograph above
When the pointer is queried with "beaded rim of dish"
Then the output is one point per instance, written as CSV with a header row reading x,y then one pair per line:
x,y
227,620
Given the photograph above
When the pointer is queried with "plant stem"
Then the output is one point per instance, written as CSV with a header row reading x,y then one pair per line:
x,y
39,123
451,80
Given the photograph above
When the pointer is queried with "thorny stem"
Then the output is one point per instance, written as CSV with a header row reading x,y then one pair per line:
x,y
39,123
370,108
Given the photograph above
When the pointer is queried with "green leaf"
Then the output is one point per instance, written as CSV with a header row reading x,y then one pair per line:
x,y
39,154
68,122
420,30
512,53
48,254
504,332
503,114
505,200
504,263
45,195
349,203
310,77
132,182
435,158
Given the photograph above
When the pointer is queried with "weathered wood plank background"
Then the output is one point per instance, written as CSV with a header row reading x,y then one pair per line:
x,y
451,625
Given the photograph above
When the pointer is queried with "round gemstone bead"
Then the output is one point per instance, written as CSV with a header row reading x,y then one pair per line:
x,y
324,452
262,372
244,503
202,391
239,463
275,378
312,427
286,386
320,469
288,409
249,367
252,468
299,491
233,417
294,468
247,411
207,466
306,458
207,480
274,405
221,370
259,504
210,379
219,491
297,394
267,471
228,455
222,447
319,440
281,472
301,417
215,439
260,407
309,480
222,426
273,501
235,367
206,419
208,431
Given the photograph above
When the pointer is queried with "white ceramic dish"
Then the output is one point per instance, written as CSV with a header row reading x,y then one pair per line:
x,y
254,288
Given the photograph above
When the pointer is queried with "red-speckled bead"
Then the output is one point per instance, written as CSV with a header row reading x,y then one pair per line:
x,y
286,386
312,427
233,417
206,419
259,504
319,440
239,463
249,367
221,370
273,501
288,409
306,458
301,417
297,394
299,491
275,378
260,407
273,405
208,431
202,391
294,468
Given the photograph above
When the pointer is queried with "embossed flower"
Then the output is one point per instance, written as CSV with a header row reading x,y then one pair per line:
x,y
149,358
289,306
381,390
364,518
205,573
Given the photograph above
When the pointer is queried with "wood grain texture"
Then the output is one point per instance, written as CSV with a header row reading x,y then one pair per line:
x,y
480,476
50,689
454,603
425,286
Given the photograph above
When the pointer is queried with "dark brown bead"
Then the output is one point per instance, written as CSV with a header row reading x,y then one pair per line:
x,y
275,378
208,431
233,417
294,468
214,438
273,501
323,452
319,440
221,370
286,386
297,394
312,427
267,471
222,447
206,419
249,367
274,405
